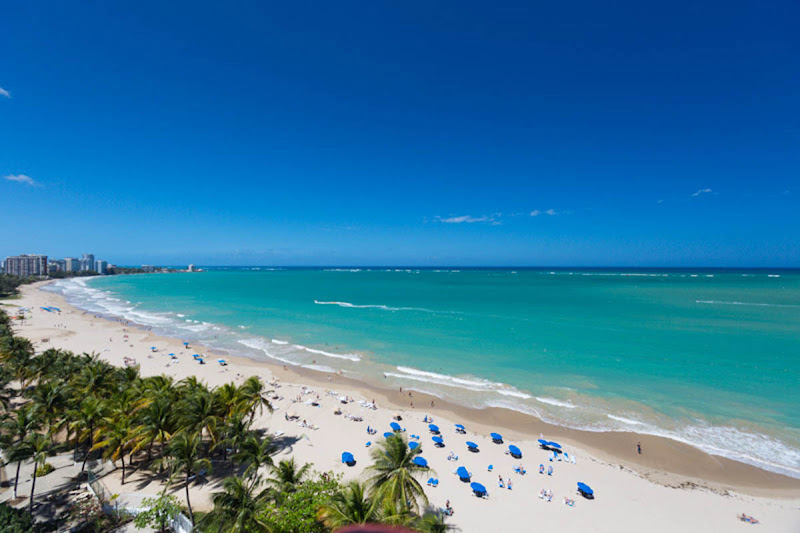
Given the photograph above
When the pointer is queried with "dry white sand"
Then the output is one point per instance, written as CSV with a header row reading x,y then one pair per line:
x,y
625,500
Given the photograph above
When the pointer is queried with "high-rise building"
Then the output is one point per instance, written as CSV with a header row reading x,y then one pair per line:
x,y
100,266
26,265
73,264
87,263
56,265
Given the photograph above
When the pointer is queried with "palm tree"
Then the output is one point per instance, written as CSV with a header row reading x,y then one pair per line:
x,y
432,522
394,473
239,507
351,505
115,438
17,429
17,352
50,399
287,475
234,434
41,448
200,412
156,423
254,453
184,457
255,396
85,420
94,378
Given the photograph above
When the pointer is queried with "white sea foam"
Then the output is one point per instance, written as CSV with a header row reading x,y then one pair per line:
x,y
348,356
260,345
625,420
372,306
320,368
757,304
180,315
276,341
553,401
773,275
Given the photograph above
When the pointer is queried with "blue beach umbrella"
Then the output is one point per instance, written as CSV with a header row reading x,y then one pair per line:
x,y
348,458
438,440
462,473
395,426
585,489
514,451
460,427
554,445
434,428
478,489
497,437
543,443
420,461
472,446
388,434
413,445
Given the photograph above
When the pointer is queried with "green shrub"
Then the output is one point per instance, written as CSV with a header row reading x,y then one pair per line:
x,y
44,470
14,520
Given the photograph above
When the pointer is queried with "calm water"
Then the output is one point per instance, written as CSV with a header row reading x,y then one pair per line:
x,y
709,357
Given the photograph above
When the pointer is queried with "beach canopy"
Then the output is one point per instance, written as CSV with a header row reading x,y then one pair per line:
x,y
420,461
514,451
388,434
438,440
460,426
554,445
413,445
585,489
347,457
434,428
395,426
472,445
462,473
496,437
544,442
478,488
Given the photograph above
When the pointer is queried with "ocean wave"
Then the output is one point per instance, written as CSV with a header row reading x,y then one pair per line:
x,y
320,368
348,356
553,401
373,306
625,420
261,345
757,304
276,341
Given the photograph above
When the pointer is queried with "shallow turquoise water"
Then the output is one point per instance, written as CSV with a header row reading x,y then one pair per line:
x,y
711,357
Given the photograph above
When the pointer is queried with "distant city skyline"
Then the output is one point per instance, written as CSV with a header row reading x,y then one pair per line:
x,y
413,134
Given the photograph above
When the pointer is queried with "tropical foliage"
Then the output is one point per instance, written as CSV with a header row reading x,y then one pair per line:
x,y
184,431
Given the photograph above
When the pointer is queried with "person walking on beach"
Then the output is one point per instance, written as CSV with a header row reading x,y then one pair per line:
x,y
639,447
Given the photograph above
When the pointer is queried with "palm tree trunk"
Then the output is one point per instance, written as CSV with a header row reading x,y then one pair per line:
x,y
89,449
33,486
150,449
189,503
16,479
122,458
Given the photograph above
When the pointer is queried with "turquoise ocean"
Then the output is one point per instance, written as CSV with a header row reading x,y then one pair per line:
x,y
708,357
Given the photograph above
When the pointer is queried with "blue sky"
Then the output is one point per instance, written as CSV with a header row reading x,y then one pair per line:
x,y
657,133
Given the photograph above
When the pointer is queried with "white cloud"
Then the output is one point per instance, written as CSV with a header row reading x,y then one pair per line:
x,y
20,178
535,213
465,219
550,212
702,191
5,93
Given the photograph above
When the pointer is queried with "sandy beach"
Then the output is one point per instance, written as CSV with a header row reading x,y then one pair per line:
x,y
670,486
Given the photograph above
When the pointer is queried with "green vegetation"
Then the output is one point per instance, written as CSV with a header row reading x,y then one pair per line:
x,y
9,284
180,432
15,520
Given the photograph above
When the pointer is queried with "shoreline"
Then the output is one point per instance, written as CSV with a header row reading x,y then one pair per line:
x,y
665,461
